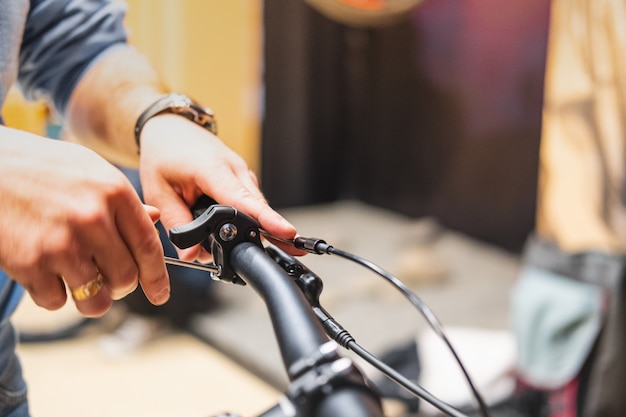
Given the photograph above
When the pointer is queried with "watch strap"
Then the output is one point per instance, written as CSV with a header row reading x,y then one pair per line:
x,y
180,104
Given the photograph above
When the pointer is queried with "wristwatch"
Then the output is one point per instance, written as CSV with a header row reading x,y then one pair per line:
x,y
180,104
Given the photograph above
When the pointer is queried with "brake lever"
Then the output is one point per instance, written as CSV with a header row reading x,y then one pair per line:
x,y
218,229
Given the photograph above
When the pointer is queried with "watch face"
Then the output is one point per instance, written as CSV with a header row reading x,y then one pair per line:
x,y
364,12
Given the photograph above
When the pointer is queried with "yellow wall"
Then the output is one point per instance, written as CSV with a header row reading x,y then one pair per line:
x,y
209,49
24,115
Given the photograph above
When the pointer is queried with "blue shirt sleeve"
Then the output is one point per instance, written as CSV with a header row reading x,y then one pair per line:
x,y
62,38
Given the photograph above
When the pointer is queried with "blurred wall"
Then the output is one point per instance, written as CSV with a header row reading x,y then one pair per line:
x,y
211,50
20,114
438,114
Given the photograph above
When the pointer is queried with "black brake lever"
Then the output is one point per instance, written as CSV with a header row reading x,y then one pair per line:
x,y
218,229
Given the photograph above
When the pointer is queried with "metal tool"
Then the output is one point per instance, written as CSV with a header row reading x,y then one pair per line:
x,y
203,267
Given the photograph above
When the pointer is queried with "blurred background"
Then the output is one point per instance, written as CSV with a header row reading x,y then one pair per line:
x,y
435,112
410,138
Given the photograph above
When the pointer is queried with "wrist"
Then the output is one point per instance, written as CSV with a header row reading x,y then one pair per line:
x,y
177,104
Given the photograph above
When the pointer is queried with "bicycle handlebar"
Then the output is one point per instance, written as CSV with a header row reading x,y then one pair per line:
x,y
322,382
312,362
298,332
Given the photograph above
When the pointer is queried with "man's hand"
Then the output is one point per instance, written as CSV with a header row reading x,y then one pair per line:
x,y
181,161
68,218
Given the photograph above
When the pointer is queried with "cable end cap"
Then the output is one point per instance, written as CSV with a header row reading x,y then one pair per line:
x,y
312,245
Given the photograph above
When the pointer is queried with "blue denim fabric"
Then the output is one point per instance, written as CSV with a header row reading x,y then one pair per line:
x,y
13,399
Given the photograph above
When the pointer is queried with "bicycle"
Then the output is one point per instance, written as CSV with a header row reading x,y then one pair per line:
x,y
322,381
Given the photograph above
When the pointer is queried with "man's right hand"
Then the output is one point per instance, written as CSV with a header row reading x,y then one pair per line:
x,y
68,217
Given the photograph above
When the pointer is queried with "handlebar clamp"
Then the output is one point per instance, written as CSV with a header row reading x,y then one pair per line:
x,y
305,392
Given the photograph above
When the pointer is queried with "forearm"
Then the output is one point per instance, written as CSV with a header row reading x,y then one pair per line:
x,y
108,100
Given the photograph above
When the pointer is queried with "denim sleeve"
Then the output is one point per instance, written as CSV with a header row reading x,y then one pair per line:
x,y
62,38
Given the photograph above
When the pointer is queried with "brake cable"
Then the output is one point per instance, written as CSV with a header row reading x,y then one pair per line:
x,y
320,247
216,223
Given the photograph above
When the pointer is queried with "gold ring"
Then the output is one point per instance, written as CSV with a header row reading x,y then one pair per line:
x,y
89,289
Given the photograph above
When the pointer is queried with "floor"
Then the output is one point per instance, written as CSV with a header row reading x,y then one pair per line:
x,y
230,362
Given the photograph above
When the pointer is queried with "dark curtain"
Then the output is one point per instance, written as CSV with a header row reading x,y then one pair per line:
x,y
438,114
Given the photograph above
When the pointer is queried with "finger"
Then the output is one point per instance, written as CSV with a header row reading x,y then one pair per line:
x,y
115,261
244,195
275,225
254,179
137,231
49,293
153,212
250,181
178,213
110,254
241,192
89,290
